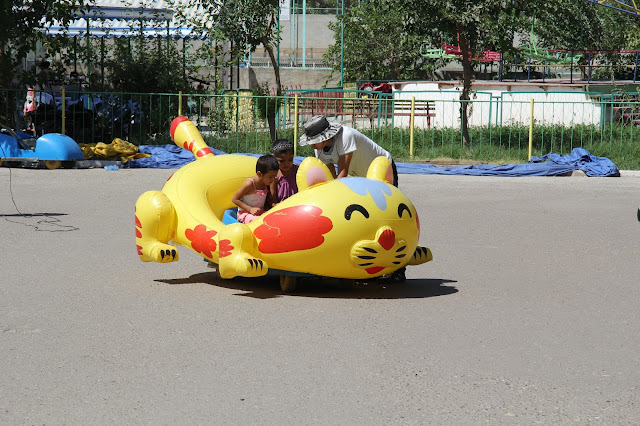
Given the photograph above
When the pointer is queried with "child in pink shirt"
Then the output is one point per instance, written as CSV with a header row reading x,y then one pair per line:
x,y
251,196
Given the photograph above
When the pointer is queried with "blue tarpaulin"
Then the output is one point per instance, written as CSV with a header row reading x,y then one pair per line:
x,y
581,159
547,165
164,157
172,156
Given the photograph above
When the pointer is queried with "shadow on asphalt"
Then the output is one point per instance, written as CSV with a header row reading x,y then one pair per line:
x,y
47,222
33,214
269,287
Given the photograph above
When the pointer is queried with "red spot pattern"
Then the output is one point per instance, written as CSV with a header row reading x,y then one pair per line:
x,y
189,145
138,225
203,152
139,250
374,269
387,239
292,229
202,240
225,248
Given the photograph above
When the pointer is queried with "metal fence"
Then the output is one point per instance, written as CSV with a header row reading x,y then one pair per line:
x,y
409,124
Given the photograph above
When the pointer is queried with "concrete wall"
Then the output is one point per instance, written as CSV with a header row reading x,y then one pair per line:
x,y
498,104
290,78
302,43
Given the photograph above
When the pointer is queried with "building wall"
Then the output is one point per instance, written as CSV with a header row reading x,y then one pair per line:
x,y
501,103
290,78
303,42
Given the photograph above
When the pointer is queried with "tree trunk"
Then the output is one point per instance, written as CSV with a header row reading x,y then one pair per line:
x,y
271,116
467,77
7,99
274,63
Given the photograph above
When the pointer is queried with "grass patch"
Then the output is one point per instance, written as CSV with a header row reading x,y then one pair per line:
x,y
493,145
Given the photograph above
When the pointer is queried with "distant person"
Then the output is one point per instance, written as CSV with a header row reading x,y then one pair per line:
x,y
44,75
94,82
350,150
285,184
252,195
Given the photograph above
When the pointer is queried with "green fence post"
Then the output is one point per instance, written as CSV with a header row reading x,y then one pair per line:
x,y
411,125
295,125
531,129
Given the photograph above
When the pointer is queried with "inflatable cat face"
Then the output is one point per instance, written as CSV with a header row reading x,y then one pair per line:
x,y
350,228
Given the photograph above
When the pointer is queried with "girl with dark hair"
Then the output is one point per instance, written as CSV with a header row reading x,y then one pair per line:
x,y
285,184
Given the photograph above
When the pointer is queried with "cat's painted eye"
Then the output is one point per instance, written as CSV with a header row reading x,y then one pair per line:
x,y
355,208
401,208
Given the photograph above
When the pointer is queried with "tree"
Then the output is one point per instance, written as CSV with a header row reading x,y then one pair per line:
x,y
377,44
151,66
480,24
598,29
20,28
383,38
246,24
475,25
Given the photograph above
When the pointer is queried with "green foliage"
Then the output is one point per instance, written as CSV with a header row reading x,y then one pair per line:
x,y
383,38
266,105
19,30
244,23
377,44
219,118
145,65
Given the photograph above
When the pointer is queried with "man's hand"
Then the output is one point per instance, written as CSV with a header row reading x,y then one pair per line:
x,y
343,165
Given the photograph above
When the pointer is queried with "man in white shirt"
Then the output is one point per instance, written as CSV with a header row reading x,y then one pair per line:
x,y
352,151
334,144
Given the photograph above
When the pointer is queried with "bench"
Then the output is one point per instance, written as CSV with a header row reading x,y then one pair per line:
x,y
333,104
402,108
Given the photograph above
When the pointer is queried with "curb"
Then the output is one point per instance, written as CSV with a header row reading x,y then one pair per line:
x,y
630,173
94,164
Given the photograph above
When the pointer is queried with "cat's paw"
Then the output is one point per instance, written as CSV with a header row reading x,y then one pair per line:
x,y
421,255
158,252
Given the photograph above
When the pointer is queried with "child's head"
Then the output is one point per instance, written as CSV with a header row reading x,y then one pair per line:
x,y
267,168
283,151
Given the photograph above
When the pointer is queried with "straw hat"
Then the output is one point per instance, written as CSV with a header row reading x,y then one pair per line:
x,y
318,129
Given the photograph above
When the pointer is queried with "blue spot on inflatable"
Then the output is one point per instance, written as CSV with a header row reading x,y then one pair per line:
x,y
376,189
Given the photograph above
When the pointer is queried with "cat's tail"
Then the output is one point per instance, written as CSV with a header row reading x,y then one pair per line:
x,y
186,135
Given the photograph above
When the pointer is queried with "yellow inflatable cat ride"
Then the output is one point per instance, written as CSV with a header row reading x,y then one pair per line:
x,y
352,228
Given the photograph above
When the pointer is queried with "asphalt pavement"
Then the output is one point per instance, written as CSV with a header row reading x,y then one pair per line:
x,y
529,313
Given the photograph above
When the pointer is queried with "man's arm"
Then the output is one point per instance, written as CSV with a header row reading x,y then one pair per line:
x,y
332,169
343,165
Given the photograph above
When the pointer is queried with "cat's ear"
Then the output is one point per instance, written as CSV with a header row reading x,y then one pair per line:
x,y
312,172
380,169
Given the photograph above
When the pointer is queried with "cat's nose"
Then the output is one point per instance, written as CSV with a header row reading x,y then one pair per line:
x,y
387,239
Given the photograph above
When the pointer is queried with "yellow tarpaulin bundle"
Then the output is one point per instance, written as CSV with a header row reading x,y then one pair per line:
x,y
118,148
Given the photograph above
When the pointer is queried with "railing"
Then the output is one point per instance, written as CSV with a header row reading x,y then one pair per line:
x,y
421,125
